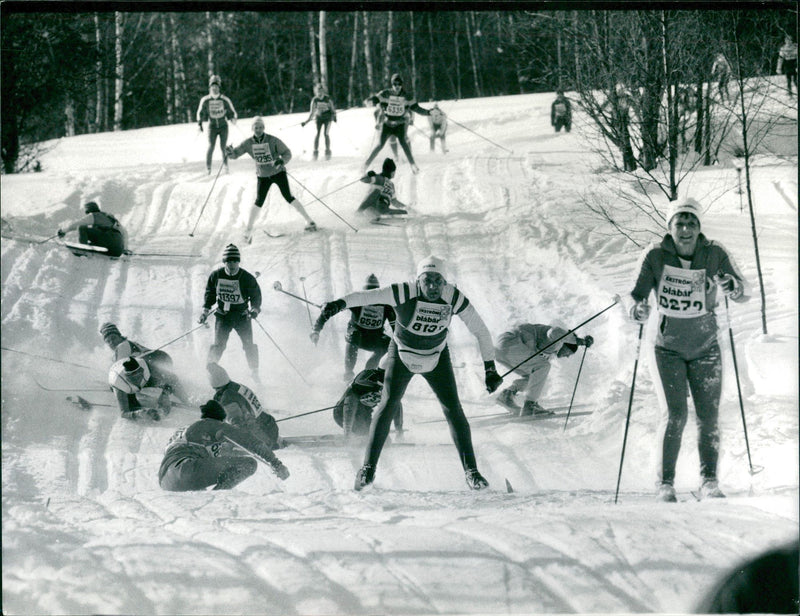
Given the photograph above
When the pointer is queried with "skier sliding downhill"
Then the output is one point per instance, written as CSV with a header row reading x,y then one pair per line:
x,y
98,229
271,156
379,200
424,310
395,103
217,109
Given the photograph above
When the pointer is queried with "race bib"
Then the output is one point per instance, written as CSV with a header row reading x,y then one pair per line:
x,y
248,395
216,108
262,153
387,191
561,109
682,292
430,319
228,292
322,107
371,317
396,106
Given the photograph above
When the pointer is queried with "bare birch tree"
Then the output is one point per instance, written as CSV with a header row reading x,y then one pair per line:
x,y
368,54
313,48
353,58
387,51
119,70
323,51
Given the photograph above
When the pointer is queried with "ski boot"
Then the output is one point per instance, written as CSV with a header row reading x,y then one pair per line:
x,y
414,168
475,480
710,489
506,399
327,154
364,477
666,493
312,226
532,407
315,155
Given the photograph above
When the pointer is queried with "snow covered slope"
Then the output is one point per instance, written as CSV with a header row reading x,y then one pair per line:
x,y
86,528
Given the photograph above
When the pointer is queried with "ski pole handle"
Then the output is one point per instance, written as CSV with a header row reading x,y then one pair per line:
x,y
278,287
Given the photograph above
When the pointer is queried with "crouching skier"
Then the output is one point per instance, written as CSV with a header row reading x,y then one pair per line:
x,y
210,452
353,412
242,407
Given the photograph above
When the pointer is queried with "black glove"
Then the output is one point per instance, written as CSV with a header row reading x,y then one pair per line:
x,y
200,126
253,312
371,174
61,233
278,162
332,308
588,341
493,380
303,123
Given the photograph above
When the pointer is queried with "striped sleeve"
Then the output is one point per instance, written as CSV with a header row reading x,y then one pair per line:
x,y
457,299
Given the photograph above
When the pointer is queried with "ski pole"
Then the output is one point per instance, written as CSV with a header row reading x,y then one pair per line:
x,y
509,371
52,237
574,389
272,340
327,408
58,361
630,404
305,298
756,469
338,189
221,165
321,201
173,340
277,286
481,136
63,389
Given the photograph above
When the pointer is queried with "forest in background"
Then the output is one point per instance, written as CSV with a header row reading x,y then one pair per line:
x,y
67,73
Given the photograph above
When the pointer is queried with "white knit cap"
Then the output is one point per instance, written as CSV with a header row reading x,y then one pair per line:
x,y
431,264
686,205
217,375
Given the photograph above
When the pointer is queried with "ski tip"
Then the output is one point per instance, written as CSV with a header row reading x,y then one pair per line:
x,y
509,489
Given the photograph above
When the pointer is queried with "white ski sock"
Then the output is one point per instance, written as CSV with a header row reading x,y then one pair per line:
x,y
300,209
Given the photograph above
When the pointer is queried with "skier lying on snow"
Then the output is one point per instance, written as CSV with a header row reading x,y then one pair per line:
x,y
242,407
158,363
128,377
353,412
212,453
379,200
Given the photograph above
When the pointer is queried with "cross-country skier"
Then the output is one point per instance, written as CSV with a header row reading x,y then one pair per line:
x,y
561,113
721,72
353,412
98,228
424,310
158,362
323,111
364,331
237,296
518,344
379,117
217,109
437,120
395,102
621,101
242,407
212,453
787,62
379,200
684,271
271,156
127,377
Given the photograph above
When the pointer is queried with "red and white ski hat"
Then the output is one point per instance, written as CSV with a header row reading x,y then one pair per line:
x,y
686,205
431,264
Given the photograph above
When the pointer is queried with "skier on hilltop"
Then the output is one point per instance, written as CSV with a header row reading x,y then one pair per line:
x,y
394,103
323,111
271,156
242,407
365,331
424,310
98,228
561,112
683,271
237,296
379,200
518,344
217,109
212,453
437,121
